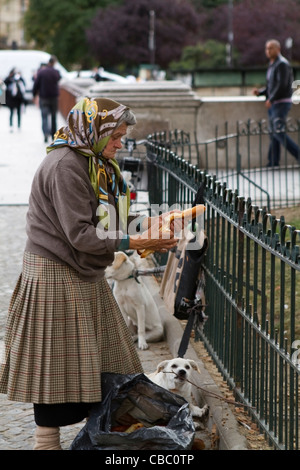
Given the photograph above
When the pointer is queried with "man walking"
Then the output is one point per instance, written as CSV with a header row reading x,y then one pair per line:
x,y
278,92
46,86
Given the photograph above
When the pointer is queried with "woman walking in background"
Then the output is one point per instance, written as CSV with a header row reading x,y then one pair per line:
x,y
15,96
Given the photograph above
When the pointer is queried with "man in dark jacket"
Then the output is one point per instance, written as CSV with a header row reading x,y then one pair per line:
x,y
46,86
278,92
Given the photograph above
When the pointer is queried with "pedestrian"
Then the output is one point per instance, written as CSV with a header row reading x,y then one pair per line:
x,y
278,92
64,326
96,75
46,87
15,96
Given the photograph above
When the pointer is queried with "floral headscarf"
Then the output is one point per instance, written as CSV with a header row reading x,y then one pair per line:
x,y
90,125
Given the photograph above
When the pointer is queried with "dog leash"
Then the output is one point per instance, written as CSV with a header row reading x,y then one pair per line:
x,y
149,271
134,276
145,272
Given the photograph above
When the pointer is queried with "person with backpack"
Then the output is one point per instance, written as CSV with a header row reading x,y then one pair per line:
x,y
15,96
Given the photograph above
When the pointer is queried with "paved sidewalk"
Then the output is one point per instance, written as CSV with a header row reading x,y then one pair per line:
x,y
21,153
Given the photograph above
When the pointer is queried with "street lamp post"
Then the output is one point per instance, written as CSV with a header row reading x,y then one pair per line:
x,y
229,45
151,43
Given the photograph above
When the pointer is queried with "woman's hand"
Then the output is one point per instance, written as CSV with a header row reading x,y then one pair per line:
x,y
154,238
167,224
176,225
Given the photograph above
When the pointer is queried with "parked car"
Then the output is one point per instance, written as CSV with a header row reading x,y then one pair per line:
x,y
99,74
27,62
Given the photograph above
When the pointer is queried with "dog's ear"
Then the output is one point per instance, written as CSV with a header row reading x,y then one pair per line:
x,y
194,365
119,259
161,365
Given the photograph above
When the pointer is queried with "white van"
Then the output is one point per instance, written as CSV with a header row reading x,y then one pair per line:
x,y
27,62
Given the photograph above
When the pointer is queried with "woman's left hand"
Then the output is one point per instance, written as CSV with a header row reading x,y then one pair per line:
x,y
176,225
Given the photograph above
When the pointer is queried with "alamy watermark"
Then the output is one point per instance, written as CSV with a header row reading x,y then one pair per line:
x,y
108,226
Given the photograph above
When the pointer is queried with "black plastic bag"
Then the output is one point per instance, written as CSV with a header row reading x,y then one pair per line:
x,y
128,399
189,270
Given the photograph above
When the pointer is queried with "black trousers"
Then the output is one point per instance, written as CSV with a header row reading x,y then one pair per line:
x,y
49,108
11,115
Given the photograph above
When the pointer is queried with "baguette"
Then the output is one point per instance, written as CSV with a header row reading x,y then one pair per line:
x,y
187,214
134,427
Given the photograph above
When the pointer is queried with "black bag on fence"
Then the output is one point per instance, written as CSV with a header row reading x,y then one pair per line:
x,y
188,277
130,399
183,283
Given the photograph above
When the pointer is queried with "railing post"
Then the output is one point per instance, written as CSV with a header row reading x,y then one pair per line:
x,y
239,299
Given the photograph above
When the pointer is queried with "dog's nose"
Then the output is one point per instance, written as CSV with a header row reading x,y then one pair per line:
x,y
181,372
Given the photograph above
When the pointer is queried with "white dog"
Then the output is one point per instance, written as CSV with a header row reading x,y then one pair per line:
x,y
174,375
135,301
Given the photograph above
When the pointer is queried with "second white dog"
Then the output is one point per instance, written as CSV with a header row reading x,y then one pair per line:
x,y
135,301
174,375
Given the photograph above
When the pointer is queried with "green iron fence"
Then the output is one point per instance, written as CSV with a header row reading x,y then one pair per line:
x,y
252,288
239,158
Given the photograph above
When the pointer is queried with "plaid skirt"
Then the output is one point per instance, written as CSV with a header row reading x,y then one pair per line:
x,y
61,333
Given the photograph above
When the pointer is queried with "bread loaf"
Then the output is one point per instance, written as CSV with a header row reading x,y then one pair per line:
x,y
187,214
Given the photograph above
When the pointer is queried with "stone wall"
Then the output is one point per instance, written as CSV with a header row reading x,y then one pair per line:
x,y
216,111
158,106
169,105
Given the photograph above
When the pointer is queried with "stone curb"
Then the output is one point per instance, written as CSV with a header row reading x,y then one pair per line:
x,y
220,414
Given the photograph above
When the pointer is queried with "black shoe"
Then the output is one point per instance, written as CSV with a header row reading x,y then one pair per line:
x,y
46,138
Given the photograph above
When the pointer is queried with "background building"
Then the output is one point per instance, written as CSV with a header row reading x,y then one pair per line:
x,y
11,23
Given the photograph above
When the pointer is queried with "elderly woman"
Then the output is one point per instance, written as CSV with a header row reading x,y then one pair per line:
x,y
64,327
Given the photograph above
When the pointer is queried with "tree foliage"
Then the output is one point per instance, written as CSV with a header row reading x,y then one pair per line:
x,y
209,54
116,32
120,34
200,4
58,27
256,21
